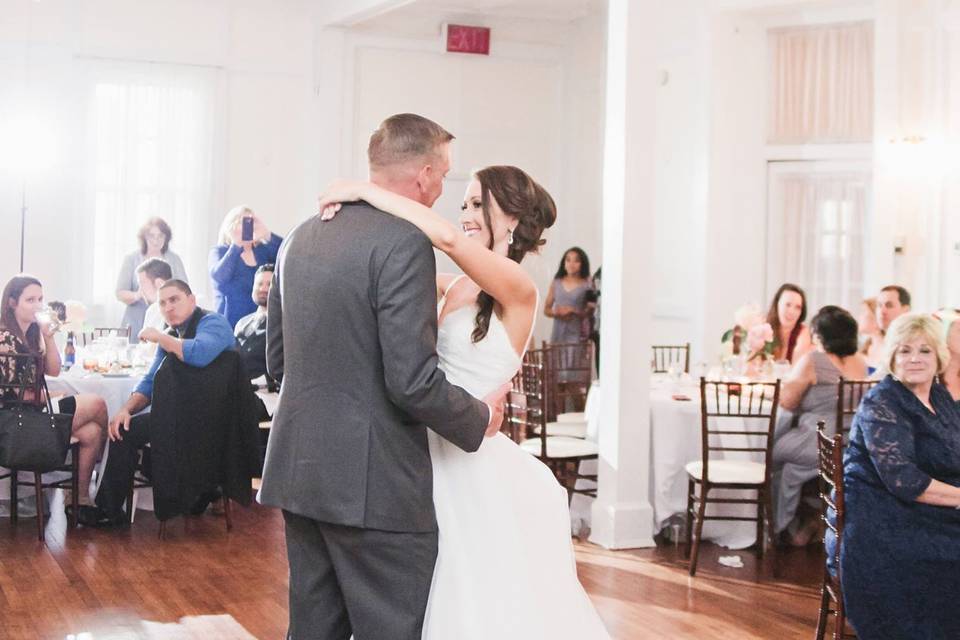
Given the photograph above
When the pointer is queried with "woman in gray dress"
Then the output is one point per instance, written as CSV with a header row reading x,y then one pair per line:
x,y
809,394
567,300
154,239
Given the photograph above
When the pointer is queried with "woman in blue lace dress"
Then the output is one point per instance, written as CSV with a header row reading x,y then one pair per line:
x,y
900,559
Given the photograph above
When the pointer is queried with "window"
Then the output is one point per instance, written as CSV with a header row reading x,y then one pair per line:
x,y
821,84
817,230
151,153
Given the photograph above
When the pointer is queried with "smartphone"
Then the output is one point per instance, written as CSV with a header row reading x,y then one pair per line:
x,y
246,232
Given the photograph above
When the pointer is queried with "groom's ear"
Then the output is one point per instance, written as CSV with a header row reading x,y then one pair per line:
x,y
423,178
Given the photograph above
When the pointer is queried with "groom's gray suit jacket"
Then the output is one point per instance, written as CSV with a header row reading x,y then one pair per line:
x,y
352,328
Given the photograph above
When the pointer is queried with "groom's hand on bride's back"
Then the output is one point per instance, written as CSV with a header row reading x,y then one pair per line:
x,y
495,402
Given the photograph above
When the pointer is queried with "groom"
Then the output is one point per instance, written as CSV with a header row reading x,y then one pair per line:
x,y
352,330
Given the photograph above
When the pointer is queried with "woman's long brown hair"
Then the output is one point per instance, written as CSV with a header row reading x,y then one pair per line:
x,y
521,198
8,320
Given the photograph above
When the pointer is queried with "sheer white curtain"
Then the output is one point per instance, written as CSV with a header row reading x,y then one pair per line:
x,y
819,216
151,154
821,84
950,235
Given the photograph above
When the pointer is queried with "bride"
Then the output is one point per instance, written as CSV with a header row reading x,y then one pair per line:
x,y
505,564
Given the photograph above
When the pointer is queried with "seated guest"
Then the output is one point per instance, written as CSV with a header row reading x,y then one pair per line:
x,y
809,394
788,310
900,559
892,302
251,330
22,332
951,336
151,274
196,337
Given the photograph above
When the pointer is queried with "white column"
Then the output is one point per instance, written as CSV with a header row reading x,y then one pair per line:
x,y
622,516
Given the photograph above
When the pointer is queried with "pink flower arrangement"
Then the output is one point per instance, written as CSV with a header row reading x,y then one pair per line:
x,y
760,338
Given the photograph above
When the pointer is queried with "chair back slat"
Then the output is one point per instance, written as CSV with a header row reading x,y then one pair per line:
x,y
666,356
21,379
526,403
754,402
849,395
105,332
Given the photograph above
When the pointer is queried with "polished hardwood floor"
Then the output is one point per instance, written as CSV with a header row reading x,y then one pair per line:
x,y
201,582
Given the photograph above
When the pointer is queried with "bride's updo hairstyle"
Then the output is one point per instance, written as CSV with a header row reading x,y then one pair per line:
x,y
522,199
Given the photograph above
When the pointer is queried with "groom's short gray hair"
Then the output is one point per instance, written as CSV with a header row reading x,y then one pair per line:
x,y
404,137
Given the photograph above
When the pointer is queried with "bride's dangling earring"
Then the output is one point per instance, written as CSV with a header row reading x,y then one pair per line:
x,y
509,236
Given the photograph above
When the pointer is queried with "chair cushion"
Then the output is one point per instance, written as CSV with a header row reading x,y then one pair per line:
x,y
572,417
735,471
561,447
566,429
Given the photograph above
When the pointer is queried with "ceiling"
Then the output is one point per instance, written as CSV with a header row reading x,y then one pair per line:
x,y
530,21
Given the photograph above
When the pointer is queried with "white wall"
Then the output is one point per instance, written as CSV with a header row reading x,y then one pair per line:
x,y
536,106
263,53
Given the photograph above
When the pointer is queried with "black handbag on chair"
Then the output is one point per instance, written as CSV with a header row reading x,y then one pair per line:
x,y
31,439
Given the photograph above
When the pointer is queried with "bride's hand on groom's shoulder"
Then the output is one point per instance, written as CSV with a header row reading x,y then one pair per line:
x,y
337,192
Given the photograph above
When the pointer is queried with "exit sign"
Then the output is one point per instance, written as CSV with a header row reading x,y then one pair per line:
x,y
463,39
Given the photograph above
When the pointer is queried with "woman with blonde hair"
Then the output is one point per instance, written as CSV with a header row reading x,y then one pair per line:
x,y
900,555
234,262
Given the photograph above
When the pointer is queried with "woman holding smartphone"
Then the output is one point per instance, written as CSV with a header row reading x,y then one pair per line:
x,y
245,244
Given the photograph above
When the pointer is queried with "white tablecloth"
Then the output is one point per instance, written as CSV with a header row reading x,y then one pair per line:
x,y
114,391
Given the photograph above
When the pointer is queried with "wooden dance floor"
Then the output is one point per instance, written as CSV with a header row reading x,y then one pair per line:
x,y
203,583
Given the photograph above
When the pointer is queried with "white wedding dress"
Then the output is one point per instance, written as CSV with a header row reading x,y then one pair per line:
x,y
505,566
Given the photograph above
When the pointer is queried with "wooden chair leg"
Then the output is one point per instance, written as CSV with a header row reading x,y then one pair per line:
x,y
840,621
74,484
14,511
761,516
824,610
38,487
227,512
162,534
691,487
698,531
774,556
130,501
